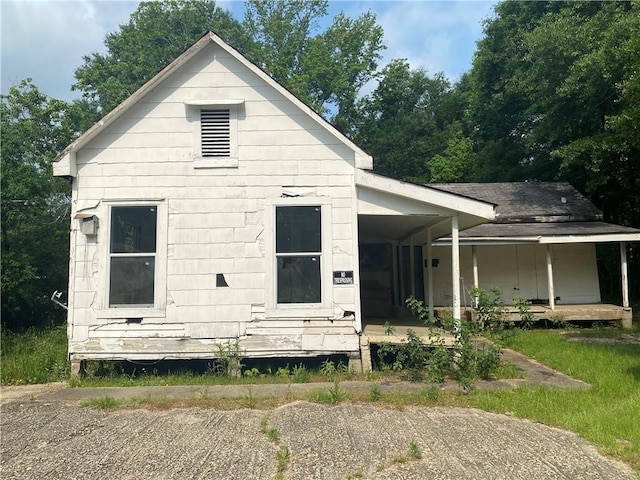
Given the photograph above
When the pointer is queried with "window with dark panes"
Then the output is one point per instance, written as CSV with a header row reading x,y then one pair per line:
x,y
132,256
298,254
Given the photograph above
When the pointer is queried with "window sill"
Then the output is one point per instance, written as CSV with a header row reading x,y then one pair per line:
x,y
131,313
223,162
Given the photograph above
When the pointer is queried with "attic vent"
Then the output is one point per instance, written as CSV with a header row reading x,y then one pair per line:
x,y
215,133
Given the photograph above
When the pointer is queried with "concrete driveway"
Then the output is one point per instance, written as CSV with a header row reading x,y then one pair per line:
x,y
44,438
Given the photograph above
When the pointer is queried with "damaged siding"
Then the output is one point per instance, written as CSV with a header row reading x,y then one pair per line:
x,y
215,221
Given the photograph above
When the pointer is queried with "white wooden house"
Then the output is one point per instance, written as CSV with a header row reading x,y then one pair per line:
x,y
212,205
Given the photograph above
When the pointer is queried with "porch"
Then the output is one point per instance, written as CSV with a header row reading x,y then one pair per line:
x,y
601,312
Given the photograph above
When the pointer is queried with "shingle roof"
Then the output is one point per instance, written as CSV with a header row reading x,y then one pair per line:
x,y
548,229
532,210
530,202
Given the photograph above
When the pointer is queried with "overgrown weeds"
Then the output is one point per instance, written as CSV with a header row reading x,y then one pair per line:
x,y
34,356
466,360
333,395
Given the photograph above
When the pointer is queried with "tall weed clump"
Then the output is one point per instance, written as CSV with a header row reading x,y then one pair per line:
x,y
34,356
469,358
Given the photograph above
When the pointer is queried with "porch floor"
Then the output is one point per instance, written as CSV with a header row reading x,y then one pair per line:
x,y
599,312
374,330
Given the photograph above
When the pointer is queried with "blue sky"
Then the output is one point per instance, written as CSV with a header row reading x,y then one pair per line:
x,y
46,40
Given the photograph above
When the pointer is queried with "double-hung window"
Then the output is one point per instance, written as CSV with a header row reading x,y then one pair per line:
x,y
299,254
300,243
132,256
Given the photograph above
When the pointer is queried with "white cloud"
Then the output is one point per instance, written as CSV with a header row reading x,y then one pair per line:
x,y
439,36
46,40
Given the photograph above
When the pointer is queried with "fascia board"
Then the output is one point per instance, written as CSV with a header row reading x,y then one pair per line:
x,y
489,240
121,109
65,166
361,157
452,202
601,238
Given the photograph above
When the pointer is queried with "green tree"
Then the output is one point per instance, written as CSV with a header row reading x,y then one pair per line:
x,y
325,69
498,106
407,120
554,96
35,205
454,164
155,35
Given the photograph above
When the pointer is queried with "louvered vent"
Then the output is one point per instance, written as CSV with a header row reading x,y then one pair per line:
x,y
216,133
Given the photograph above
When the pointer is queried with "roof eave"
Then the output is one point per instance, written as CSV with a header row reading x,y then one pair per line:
x,y
452,201
361,159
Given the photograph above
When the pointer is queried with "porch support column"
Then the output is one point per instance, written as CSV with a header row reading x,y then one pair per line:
x,y
396,272
625,275
552,295
455,271
474,258
429,293
412,267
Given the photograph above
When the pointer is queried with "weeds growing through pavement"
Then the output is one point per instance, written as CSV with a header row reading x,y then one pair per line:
x,y
106,403
282,460
374,392
333,395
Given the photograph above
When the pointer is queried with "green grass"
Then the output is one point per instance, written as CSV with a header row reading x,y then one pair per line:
x,y
605,414
34,356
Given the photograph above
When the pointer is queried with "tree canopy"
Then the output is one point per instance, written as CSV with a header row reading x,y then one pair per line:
x,y
325,68
408,120
155,35
35,205
553,94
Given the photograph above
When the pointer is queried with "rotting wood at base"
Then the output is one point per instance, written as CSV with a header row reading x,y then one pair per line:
x,y
78,368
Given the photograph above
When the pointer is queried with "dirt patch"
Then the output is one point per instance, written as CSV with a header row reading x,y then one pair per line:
x,y
16,392
623,338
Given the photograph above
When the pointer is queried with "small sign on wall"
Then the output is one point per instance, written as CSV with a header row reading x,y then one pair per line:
x,y
343,277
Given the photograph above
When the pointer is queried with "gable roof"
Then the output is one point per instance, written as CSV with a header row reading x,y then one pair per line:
x,y
64,163
397,210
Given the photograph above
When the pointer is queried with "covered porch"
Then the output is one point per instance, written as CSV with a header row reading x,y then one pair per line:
x,y
397,223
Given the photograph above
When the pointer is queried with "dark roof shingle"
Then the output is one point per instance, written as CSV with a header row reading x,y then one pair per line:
x,y
530,202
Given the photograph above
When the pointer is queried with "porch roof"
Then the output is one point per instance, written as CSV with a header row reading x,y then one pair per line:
x,y
390,209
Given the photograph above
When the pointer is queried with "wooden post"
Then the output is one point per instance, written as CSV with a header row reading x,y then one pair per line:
x,y
455,270
625,275
429,273
412,267
552,295
395,273
474,258
402,287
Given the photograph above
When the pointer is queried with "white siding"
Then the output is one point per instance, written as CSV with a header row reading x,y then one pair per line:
x,y
216,220
520,271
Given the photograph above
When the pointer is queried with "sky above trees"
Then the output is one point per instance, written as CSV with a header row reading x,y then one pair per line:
x,y
46,40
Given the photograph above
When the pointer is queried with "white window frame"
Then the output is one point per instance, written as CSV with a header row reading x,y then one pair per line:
x,y
194,107
158,309
299,310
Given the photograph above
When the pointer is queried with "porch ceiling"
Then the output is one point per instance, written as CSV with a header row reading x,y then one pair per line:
x,y
389,209
400,227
